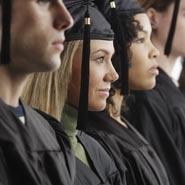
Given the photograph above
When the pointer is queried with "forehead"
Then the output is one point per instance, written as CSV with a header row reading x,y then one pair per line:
x,y
104,45
144,22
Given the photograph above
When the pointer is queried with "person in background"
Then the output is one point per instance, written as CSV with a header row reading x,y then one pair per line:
x,y
123,143
159,114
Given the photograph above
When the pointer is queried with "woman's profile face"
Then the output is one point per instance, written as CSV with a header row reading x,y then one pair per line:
x,y
102,74
143,69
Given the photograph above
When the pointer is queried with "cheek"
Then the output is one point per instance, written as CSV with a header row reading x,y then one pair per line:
x,y
137,74
162,32
93,84
97,102
179,38
30,40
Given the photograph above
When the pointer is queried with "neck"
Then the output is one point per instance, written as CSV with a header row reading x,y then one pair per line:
x,y
11,85
115,112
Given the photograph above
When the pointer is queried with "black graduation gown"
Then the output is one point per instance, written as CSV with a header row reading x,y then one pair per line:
x,y
128,148
159,115
30,153
104,171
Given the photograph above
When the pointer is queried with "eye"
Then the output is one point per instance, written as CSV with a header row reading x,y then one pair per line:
x,y
42,2
100,60
139,40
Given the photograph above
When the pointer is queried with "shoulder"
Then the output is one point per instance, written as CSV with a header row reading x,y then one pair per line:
x,y
55,125
98,151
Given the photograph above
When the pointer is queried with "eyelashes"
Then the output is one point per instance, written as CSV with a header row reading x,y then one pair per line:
x,y
100,60
139,40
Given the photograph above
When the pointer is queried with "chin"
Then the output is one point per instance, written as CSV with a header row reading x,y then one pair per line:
x,y
143,87
97,107
148,87
52,66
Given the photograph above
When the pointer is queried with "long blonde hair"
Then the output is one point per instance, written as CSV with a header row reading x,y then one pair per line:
x,y
48,91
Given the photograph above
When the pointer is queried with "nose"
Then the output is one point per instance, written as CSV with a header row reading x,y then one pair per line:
x,y
63,20
154,52
111,75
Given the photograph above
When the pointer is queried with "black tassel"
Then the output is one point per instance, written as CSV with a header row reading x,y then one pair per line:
x,y
121,42
6,31
83,102
169,41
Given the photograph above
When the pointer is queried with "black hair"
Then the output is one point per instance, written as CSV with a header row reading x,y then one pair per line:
x,y
132,28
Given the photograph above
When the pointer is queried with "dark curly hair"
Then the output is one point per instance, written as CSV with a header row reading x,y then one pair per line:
x,y
131,27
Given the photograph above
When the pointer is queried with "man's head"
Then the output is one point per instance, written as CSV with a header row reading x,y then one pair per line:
x,y
37,34
160,13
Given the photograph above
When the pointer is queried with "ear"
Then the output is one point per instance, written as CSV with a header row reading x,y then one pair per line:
x,y
154,17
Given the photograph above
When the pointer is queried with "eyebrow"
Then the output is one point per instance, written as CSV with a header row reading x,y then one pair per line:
x,y
102,50
144,31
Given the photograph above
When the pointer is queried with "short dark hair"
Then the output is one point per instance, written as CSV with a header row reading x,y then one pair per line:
x,y
159,5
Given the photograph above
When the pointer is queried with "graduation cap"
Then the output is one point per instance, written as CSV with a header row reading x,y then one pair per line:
x,y
89,24
6,31
169,41
113,11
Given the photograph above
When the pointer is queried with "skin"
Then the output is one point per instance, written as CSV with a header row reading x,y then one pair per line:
x,y
37,36
102,74
144,70
161,22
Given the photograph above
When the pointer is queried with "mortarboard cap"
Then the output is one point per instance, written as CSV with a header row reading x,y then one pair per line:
x,y
100,28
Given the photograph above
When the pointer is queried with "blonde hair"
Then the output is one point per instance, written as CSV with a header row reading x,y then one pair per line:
x,y
48,91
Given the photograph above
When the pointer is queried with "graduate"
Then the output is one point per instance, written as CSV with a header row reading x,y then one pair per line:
x,y
86,46
123,143
30,153
159,114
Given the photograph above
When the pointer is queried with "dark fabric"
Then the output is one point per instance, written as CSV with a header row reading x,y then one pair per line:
x,y
103,172
132,154
122,6
63,142
30,154
18,111
159,115
3,170
100,28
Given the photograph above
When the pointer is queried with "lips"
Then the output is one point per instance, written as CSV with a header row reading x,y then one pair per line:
x,y
154,70
59,44
104,92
